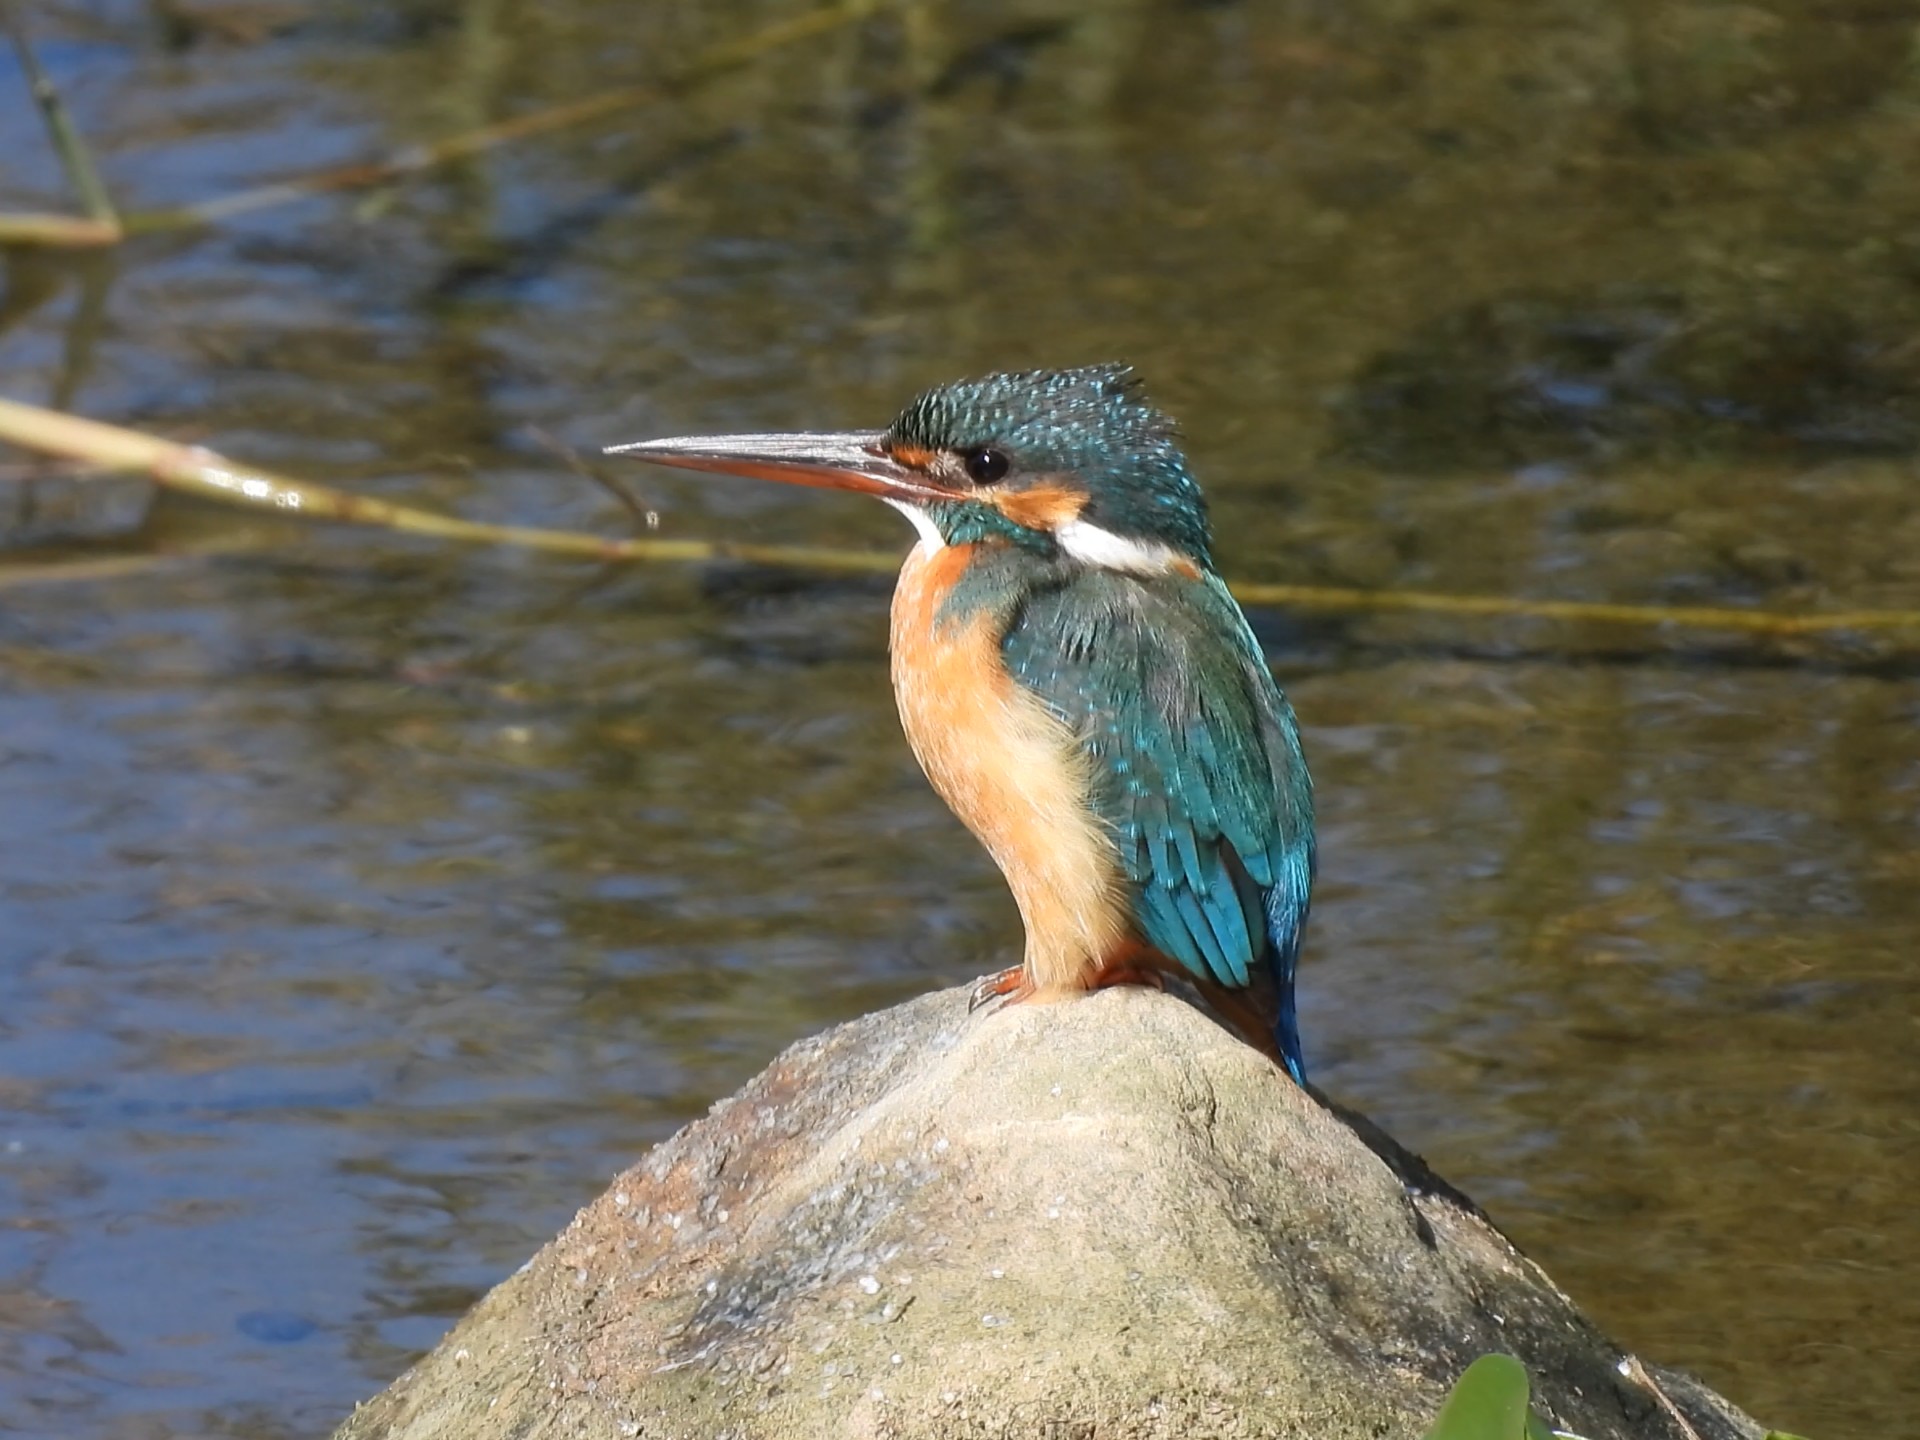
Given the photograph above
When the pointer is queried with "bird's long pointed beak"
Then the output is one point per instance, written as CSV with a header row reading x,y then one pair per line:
x,y
850,460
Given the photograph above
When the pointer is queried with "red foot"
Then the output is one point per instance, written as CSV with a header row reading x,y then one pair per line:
x,y
1010,985
1249,1013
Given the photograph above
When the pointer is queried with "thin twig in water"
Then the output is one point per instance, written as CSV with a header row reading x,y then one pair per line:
x,y
570,458
198,471
415,159
74,155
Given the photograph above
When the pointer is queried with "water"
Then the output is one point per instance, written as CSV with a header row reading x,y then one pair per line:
x,y
366,903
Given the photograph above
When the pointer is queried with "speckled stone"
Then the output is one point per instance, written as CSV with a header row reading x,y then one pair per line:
x,y
1105,1218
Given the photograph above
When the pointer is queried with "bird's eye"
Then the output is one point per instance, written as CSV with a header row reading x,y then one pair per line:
x,y
986,465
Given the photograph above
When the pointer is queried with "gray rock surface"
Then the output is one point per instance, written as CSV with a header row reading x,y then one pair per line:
x,y
1106,1218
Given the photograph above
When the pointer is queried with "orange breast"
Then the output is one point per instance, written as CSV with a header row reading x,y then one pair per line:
x,y
1012,772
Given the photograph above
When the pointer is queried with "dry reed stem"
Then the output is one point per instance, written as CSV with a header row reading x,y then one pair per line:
x,y
58,232
1686,617
194,470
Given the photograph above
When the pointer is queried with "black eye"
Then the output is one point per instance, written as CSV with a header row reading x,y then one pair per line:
x,y
986,465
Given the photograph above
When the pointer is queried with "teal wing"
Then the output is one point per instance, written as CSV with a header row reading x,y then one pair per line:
x,y
1199,771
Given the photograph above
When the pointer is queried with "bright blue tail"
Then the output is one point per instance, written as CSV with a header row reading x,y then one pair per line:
x,y
1286,1032
1287,904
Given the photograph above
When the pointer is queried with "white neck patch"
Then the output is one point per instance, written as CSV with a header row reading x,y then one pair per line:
x,y
1092,545
930,536
1082,540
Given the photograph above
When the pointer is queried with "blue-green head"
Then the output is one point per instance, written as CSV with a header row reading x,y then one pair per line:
x,y
1034,451
1060,462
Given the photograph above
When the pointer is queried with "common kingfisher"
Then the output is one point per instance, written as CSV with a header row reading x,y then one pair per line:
x,y
1079,685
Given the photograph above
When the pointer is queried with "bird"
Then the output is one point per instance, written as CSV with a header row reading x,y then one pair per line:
x,y
1080,687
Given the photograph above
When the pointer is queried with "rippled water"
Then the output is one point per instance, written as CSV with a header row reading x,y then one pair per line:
x,y
365,903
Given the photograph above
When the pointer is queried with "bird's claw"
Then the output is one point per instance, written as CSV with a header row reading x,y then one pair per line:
x,y
997,986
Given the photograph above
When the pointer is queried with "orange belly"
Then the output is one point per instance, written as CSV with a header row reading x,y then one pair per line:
x,y
1011,770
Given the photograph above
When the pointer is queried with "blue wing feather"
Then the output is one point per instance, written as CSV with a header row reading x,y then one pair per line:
x,y
1228,916
1200,775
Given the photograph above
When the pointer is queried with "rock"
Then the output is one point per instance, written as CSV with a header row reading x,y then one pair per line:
x,y
1106,1218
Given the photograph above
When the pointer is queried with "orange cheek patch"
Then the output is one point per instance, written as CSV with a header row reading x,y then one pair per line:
x,y
911,456
1046,507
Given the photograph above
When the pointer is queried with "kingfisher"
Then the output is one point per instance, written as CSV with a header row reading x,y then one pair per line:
x,y
1080,687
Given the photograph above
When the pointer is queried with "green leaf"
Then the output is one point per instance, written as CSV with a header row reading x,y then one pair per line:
x,y
1489,1402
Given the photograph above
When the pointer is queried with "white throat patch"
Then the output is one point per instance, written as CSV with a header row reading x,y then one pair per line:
x,y
1091,545
1085,542
930,536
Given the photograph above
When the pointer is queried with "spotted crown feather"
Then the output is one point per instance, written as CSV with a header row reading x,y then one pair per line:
x,y
1094,423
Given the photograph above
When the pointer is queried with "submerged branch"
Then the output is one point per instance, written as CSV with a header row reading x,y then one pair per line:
x,y
195,470
414,159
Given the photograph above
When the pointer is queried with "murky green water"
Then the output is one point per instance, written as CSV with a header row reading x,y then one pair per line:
x,y
365,903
